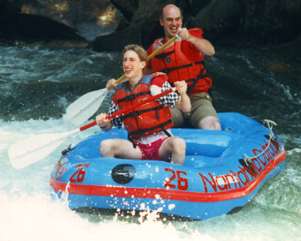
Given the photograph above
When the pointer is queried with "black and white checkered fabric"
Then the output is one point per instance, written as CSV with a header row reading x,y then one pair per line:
x,y
169,100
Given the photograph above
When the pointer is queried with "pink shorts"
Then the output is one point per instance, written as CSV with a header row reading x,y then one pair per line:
x,y
151,151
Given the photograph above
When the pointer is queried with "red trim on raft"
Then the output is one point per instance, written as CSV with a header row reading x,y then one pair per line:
x,y
128,192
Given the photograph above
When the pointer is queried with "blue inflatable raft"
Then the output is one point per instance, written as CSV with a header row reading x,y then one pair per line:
x,y
223,171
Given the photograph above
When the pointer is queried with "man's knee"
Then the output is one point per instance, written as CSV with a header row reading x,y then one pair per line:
x,y
177,117
210,123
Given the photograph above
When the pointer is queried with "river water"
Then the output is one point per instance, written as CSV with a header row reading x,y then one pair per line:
x,y
38,83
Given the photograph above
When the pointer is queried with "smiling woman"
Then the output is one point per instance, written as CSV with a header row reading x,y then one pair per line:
x,y
148,126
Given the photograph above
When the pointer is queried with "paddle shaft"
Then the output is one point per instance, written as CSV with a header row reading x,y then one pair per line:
x,y
127,110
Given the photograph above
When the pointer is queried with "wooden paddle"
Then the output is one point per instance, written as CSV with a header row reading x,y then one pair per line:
x,y
86,106
30,150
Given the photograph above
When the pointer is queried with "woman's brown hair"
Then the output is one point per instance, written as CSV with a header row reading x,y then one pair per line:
x,y
140,51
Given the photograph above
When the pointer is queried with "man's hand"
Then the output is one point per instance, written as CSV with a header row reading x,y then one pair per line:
x,y
184,34
201,44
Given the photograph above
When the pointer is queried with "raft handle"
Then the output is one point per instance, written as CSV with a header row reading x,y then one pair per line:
x,y
66,150
247,160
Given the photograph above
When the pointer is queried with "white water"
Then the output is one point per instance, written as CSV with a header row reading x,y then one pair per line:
x,y
27,211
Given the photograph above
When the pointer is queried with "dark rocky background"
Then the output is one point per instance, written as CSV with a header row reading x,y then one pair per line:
x,y
256,69
109,25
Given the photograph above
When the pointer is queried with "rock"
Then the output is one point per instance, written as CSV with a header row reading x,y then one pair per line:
x,y
36,28
230,22
109,25
79,19
218,18
127,8
117,40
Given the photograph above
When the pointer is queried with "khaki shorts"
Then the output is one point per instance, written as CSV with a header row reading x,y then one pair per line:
x,y
201,107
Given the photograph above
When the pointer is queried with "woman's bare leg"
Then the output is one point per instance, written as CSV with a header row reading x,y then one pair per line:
x,y
174,146
119,148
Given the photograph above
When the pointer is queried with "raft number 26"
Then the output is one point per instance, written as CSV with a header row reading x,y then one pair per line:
x,y
177,180
79,174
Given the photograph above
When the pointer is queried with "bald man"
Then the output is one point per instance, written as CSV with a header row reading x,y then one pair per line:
x,y
184,60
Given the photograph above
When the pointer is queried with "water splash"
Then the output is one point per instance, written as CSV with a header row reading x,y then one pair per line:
x,y
58,77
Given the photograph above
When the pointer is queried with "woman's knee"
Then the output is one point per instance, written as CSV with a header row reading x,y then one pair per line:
x,y
178,144
107,147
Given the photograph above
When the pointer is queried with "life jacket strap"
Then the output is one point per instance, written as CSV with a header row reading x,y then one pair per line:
x,y
194,81
133,96
164,55
169,69
142,131
139,112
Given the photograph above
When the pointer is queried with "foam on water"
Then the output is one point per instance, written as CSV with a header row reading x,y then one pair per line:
x,y
37,82
37,217
29,213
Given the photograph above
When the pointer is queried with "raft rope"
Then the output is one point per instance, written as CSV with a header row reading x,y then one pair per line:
x,y
269,124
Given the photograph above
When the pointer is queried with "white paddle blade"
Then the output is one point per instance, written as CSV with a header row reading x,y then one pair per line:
x,y
35,148
84,107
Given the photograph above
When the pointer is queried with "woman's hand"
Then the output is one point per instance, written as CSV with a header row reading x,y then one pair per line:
x,y
111,84
103,122
181,87
184,103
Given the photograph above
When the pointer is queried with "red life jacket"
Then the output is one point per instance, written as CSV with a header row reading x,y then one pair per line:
x,y
180,64
147,119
